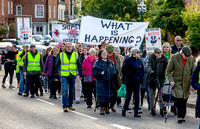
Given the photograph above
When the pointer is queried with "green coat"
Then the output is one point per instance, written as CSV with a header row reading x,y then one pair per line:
x,y
180,74
118,66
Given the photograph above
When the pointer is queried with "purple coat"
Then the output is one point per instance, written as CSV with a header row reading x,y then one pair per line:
x,y
48,66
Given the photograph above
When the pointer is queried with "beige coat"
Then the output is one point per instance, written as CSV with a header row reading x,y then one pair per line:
x,y
180,74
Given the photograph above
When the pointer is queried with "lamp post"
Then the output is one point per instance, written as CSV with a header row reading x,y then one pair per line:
x,y
141,9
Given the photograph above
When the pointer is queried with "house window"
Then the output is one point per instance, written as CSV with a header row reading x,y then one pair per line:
x,y
2,7
54,8
8,7
39,11
49,11
11,8
19,10
39,29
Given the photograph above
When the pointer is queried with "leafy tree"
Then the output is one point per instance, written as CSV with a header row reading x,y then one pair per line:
x,y
166,15
12,27
3,32
191,18
122,10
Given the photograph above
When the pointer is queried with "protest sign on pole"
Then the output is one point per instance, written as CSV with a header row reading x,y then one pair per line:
x,y
65,32
22,22
95,30
153,39
25,37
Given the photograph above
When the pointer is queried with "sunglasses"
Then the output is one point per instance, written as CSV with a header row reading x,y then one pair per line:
x,y
178,40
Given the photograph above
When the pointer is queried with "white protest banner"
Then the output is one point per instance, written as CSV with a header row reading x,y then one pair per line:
x,y
26,37
118,33
153,39
65,32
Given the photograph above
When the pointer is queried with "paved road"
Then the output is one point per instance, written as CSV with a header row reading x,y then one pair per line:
x,y
44,113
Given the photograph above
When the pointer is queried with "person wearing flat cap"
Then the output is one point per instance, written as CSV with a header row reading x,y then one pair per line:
x,y
179,71
156,66
133,72
116,60
33,68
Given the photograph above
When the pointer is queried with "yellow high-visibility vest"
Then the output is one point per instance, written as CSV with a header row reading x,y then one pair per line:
x,y
68,66
199,78
19,59
33,63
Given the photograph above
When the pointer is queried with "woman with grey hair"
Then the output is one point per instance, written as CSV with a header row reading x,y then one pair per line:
x,y
133,70
89,80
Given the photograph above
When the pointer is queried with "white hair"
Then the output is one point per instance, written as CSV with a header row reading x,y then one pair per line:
x,y
117,48
92,50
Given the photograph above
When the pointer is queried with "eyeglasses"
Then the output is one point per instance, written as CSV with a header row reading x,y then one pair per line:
x,y
178,40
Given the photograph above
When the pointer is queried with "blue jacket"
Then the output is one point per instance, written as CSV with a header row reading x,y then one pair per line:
x,y
196,86
133,70
175,49
105,84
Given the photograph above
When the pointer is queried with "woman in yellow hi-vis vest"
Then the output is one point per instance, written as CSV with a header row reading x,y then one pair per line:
x,y
195,82
33,68
69,63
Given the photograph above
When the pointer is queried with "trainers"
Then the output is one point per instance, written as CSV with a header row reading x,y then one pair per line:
x,y
55,97
11,87
3,86
20,94
119,105
89,106
140,111
32,96
65,110
113,109
25,95
71,108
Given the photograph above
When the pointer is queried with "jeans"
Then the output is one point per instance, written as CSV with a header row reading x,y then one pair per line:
x,y
8,69
21,86
130,89
67,98
78,88
143,93
34,83
46,82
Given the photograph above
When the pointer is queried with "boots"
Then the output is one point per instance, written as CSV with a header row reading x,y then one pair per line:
x,y
153,112
107,110
102,111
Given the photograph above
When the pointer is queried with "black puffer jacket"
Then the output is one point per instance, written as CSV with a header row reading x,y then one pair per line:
x,y
105,84
156,68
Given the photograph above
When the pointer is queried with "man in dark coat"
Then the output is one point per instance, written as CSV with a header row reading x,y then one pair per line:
x,y
133,70
156,66
177,46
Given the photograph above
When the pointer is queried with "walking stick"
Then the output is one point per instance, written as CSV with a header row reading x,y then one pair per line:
x,y
168,105
95,107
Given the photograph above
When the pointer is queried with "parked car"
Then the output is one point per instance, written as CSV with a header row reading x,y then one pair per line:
x,y
47,39
52,44
40,48
13,41
38,38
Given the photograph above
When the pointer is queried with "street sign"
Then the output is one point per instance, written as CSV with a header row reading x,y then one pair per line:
x,y
153,39
25,37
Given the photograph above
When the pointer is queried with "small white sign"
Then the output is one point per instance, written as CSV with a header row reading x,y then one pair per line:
x,y
26,36
153,39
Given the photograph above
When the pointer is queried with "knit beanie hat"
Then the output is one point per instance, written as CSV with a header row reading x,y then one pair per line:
x,y
134,50
109,48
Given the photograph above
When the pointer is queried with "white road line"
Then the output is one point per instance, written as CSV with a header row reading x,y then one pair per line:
x,y
85,115
45,101
121,127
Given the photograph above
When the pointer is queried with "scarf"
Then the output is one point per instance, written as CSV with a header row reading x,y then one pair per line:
x,y
92,59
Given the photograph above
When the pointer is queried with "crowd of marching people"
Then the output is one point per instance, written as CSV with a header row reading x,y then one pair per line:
x,y
96,73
